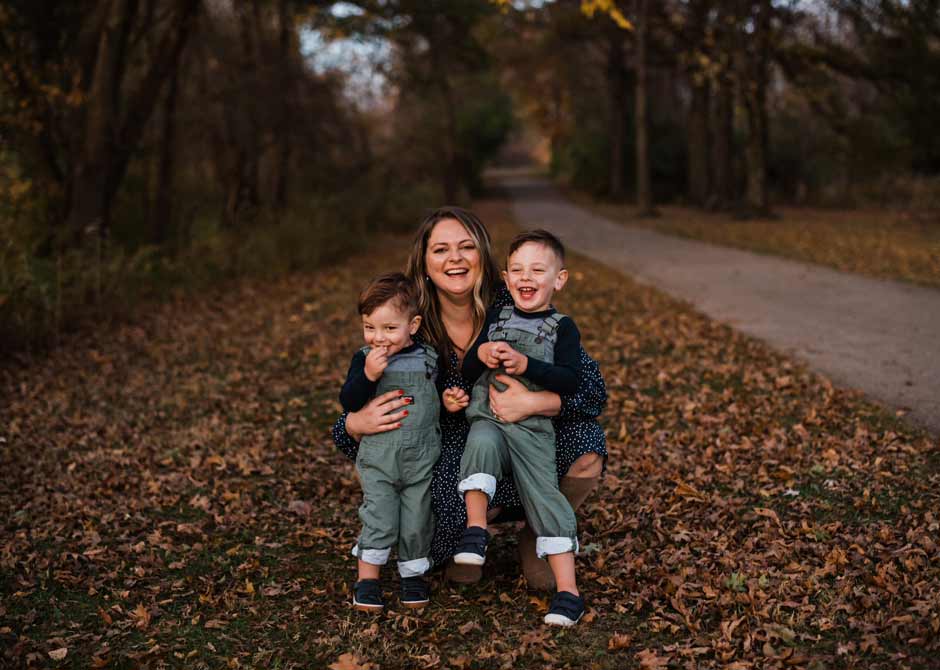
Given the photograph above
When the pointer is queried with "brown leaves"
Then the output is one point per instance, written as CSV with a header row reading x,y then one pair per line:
x,y
744,521
650,661
619,641
351,661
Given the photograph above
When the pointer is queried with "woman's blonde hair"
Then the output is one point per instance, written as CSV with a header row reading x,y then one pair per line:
x,y
432,325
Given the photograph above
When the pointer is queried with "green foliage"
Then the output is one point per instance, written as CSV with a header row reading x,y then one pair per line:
x,y
484,122
43,296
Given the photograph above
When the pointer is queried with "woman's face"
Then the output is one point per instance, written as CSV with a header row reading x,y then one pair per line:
x,y
452,259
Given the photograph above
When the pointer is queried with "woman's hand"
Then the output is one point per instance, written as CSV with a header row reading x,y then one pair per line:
x,y
517,402
379,416
455,399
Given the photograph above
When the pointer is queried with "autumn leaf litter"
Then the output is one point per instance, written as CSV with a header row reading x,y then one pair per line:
x,y
171,497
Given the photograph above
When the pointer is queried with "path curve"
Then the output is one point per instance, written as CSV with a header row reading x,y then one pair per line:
x,y
881,337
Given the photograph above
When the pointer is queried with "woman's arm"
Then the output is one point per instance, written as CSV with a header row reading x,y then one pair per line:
x,y
517,403
378,416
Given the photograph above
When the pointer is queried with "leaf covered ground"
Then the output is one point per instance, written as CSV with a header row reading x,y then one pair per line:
x,y
888,244
170,497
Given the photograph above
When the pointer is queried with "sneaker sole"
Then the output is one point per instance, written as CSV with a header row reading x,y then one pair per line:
x,y
560,620
469,559
415,604
364,607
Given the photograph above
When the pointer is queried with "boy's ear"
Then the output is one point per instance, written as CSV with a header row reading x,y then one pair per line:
x,y
561,279
504,275
415,324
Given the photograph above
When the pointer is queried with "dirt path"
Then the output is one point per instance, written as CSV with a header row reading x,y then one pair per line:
x,y
880,337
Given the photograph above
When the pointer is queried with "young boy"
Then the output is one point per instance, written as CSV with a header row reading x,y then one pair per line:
x,y
540,347
395,467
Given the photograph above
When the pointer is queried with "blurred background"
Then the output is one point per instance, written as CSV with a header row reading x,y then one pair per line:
x,y
154,146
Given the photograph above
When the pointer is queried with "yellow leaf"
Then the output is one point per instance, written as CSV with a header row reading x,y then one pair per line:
x,y
58,654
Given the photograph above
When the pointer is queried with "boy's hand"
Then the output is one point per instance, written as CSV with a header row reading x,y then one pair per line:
x,y
488,354
376,362
514,362
455,399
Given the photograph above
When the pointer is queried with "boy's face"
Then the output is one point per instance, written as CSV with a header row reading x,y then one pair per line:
x,y
533,275
390,327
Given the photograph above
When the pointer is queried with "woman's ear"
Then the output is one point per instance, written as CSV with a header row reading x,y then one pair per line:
x,y
561,279
415,324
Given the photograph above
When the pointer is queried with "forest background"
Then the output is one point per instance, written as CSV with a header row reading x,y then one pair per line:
x,y
149,147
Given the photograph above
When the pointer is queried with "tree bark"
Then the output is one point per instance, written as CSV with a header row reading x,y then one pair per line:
x,y
617,96
644,194
163,203
282,178
722,194
699,172
754,91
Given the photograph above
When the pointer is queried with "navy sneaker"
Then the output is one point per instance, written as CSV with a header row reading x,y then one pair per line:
x,y
415,592
472,547
367,596
566,609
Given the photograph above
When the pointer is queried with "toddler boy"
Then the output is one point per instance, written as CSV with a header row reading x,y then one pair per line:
x,y
540,347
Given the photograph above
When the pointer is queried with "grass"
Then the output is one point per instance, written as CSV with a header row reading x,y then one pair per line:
x,y
887,244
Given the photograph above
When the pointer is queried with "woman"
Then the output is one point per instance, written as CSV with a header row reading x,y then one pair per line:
x,y
458,280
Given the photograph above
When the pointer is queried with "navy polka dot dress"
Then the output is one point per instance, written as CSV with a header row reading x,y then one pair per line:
x,y
577,433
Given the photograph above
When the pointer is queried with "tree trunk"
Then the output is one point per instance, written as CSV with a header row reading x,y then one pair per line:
x,y
755,99
617,95
108,136
722,194
644,194
163,204
281,180
698,142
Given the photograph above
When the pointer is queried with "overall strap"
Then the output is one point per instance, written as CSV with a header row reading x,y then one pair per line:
x,y
549,326
430,360
505,313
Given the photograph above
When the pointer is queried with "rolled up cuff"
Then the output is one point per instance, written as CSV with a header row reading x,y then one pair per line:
x,y
549,546
372,556
413,568
479,482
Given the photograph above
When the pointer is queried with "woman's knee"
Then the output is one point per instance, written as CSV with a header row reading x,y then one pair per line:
x,y
588,465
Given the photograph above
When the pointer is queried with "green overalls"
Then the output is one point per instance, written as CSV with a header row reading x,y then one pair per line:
x,y
396,469
525,449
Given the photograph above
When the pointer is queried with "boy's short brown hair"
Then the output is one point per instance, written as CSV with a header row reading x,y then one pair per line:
x,y
538,236
392,286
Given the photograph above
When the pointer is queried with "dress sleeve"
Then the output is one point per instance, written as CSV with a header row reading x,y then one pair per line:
x,y
591,397
348,446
